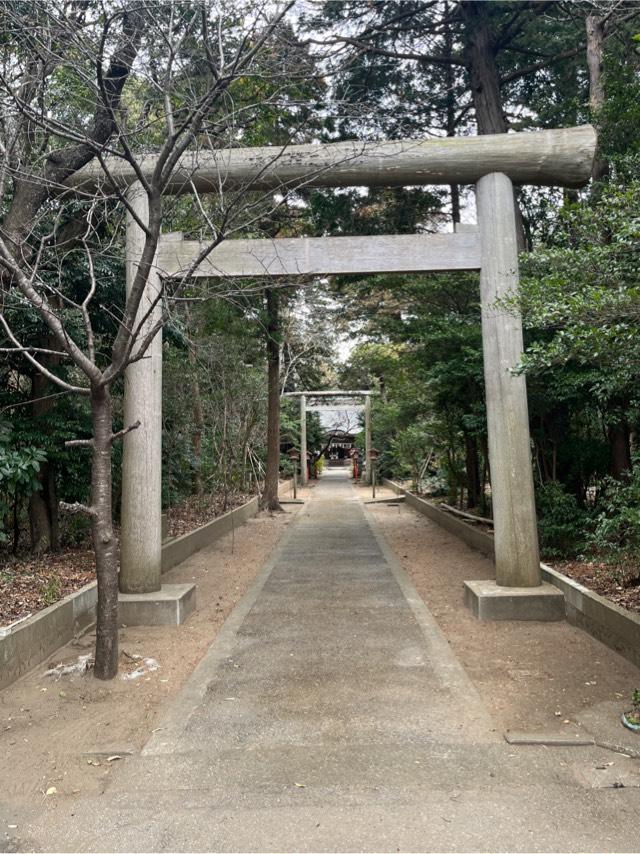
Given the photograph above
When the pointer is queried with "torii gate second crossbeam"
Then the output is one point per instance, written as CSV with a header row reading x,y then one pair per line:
x,y
335,393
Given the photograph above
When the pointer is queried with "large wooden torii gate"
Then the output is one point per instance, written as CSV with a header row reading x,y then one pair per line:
x,y
494,164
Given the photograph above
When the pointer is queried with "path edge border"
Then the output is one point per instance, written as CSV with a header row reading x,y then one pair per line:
x,y
605,621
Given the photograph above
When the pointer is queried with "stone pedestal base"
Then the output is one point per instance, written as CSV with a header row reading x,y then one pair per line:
x,y
487,601
169,606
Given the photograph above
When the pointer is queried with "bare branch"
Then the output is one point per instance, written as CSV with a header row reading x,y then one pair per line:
x,y
79,443
77,507
124,431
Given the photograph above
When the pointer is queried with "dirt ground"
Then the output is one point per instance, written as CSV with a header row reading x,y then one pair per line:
x,y
29,583
604,579
197,510
58,736
532,676
48,725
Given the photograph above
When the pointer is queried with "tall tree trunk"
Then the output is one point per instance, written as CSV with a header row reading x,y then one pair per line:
x,y
485,478
43,505
198,426
270,494
473,471
16,522
450,80
618,434
484,78
196,410
595,55
104,540
619,449
480,53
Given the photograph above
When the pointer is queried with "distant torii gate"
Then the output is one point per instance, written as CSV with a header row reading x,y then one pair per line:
x,y
494,163
349,407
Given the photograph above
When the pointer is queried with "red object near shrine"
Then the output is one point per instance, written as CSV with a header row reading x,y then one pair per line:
x,y
355,460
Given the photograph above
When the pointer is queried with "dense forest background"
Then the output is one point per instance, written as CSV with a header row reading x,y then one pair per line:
x,y
388,71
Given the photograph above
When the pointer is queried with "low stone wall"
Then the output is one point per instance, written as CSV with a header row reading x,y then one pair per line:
x,y
480,540
31,641
614,626
176,550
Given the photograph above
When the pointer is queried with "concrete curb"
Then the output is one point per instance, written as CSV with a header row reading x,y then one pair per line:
x,y
614,626
28,643
176,550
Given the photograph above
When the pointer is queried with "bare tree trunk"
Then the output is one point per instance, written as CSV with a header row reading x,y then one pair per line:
x,y
473,472
104,540
43,505
198,425
270,494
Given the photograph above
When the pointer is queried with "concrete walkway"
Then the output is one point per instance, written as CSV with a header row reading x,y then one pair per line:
x,y
331,715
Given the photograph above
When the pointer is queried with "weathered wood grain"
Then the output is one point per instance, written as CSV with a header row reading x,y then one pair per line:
x,y
317,256
560,158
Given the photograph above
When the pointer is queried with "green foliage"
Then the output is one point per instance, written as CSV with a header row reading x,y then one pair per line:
x,y
561,521
75,530
580,295
411,449
51,591
19,467
615,537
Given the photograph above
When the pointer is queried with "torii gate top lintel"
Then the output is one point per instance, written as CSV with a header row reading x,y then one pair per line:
x,y
557,158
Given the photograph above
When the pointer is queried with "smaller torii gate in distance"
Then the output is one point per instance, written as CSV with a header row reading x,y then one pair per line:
x,y
494,164
332,407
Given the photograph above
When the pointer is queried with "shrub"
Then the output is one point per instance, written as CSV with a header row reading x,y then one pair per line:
x,y
615,537
561,521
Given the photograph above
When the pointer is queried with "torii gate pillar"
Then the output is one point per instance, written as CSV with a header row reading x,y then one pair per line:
x,y
517,592
304,469
367,436
141,538
143,600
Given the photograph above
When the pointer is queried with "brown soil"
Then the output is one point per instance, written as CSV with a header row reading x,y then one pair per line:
x,y
30,584
197,510
47,725
532,676
602,578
